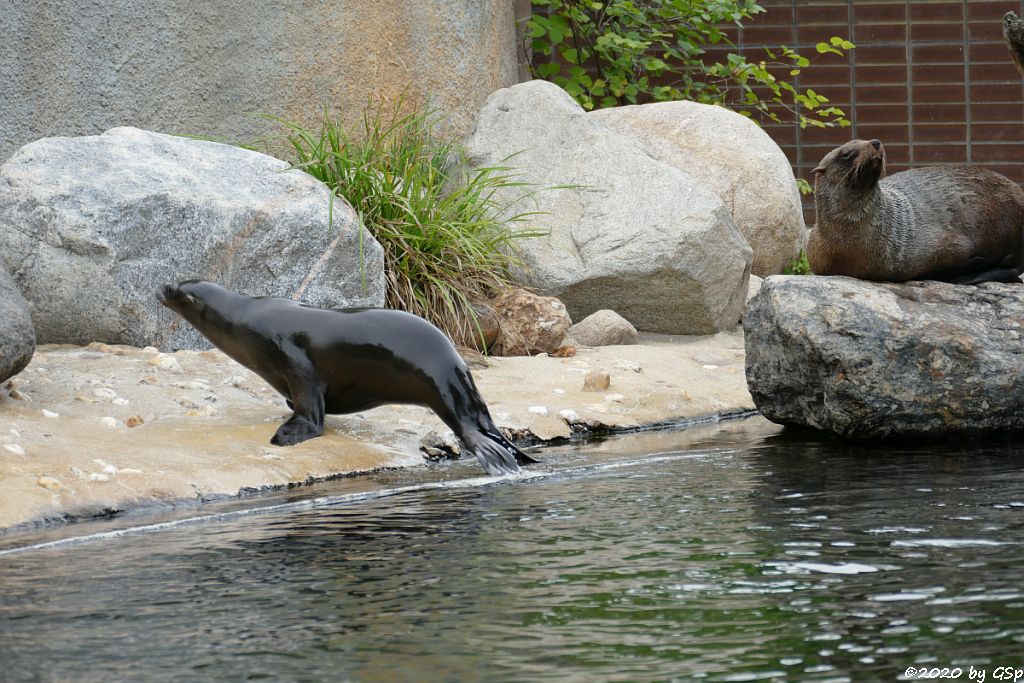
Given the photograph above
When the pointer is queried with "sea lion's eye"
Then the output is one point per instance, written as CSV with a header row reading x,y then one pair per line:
x,y
847,156
191,299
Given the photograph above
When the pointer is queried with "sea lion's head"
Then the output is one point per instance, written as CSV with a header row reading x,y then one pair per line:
x,y
197,301
855,166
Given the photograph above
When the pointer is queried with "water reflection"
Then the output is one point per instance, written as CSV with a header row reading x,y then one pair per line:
x,y
754,556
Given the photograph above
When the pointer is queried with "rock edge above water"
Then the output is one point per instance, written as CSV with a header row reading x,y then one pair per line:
x,y
872,360
102,428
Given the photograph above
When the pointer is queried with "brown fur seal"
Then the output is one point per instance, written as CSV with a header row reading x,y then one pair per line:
x,y
954,223
344,361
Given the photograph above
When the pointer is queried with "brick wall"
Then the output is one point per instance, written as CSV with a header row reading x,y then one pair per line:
x,y
932,79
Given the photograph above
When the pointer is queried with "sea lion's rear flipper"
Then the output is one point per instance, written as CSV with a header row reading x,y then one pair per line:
x,y
496,454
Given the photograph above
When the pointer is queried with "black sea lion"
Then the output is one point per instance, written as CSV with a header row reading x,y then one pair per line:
x,y
343,361
954,223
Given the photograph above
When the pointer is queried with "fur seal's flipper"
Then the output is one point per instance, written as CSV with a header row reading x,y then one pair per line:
x,y
996,274
344,361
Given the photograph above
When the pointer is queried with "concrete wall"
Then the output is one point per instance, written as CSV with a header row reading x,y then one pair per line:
x,y
79,67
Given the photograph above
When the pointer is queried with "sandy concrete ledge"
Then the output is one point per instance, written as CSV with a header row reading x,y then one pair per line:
x,y
87,430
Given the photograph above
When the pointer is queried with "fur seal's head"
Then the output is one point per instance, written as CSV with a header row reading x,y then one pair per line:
x,y
197,301
856,166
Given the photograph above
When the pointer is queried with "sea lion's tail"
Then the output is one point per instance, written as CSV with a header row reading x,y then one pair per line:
x,y
497,454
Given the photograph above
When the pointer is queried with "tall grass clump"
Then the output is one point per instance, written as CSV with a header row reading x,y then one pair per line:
x,y
447,232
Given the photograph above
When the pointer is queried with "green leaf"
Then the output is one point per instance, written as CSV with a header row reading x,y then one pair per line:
x,y
558,29
538,25
548,69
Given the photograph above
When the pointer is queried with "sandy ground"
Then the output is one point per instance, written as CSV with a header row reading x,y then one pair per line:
x,y
87,430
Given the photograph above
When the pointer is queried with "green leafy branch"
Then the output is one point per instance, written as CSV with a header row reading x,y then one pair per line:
x,y
612,52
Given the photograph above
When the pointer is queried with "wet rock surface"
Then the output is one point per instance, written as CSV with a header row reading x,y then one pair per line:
x,y
88,430
862,359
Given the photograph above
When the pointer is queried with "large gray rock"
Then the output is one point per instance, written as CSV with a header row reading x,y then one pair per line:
x,y
731,156
90,226
626,231
864,359
17,336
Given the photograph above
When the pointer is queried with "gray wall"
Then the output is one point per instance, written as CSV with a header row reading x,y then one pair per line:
x,y
200,67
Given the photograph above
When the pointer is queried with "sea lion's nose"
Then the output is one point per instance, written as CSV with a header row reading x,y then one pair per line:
x,y
877,144
165,293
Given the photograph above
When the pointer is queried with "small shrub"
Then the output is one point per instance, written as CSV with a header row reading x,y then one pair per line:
x,y
607,53
446,237
798,266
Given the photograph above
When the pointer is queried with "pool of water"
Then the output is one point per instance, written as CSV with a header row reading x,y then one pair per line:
x,y
729,552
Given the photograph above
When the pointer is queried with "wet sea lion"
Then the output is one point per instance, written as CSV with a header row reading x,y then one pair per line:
x,y
954,223
344,361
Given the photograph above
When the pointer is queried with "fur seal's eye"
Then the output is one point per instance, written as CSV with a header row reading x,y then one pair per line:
x,y
847,156
191,299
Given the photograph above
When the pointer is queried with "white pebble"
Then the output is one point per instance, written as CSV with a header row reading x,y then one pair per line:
x,y
14,448
204,411
108,468
120,401
14,432
104,393
51,484
109,421
710,367
50,414
165,362
193,384
569,416
129,470
614,398
537,410
150,349
98,477
559,391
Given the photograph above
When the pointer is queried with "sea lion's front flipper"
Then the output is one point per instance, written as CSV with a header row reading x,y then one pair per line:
x,y
307,400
